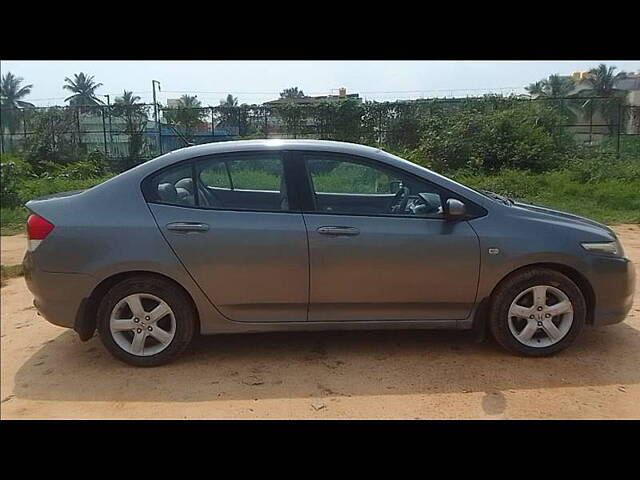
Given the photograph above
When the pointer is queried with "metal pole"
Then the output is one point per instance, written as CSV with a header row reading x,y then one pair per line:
x,y
110,129
104,133
212,132
24,127
155,108
619,126
266,123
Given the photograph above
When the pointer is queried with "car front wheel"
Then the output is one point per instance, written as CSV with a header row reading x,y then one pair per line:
x,y
537,312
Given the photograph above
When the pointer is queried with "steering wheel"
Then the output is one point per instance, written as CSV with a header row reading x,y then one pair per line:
x,y
399,201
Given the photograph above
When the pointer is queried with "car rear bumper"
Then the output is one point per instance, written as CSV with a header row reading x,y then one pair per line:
x,y
58,297
614,284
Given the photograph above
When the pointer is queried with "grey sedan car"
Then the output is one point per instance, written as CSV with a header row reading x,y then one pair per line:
x,y
272,235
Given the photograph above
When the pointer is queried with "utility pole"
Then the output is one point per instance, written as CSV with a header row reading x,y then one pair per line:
x,y
110,129
155,108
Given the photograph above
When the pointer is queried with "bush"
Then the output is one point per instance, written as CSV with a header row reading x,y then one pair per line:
x,y
12,171
491,137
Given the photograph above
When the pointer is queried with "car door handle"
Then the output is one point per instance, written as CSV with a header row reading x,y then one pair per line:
x,y
188,227
350,231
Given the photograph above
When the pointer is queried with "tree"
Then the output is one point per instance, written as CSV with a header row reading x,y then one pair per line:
x,y
51,141
229,112
536,89
553,87
601,81
292,92
230,101
135,119
83,88
11,94
189,114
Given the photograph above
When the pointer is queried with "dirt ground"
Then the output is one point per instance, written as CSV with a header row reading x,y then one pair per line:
x,y
48,373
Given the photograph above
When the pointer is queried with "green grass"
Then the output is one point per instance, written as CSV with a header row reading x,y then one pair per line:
x,y
13,220
607,201
7,272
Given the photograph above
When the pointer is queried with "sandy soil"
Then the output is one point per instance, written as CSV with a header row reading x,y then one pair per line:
x,y
13,248
48,373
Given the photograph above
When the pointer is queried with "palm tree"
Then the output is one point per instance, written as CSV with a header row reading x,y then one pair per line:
x,y
230,101
553,87
189,114
135,119
83,88
127,99
536,89
11,94
602,81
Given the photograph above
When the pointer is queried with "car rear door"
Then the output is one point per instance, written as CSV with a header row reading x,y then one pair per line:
x,y
231,224
367,263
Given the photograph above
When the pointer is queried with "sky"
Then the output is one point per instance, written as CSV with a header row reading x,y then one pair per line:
x,y
260,81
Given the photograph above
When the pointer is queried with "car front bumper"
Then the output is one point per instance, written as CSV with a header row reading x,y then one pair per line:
x,y
614,283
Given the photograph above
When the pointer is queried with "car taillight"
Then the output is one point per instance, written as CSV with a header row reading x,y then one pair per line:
x,y
37,230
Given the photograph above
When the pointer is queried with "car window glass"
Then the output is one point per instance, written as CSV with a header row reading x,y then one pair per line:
x,y
252,181
215,174
342,184
174,186
333,176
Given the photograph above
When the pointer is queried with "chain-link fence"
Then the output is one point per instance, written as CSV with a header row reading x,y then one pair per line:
x,y
130,134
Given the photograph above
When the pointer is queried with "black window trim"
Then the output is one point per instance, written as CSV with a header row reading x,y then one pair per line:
x,y
309,207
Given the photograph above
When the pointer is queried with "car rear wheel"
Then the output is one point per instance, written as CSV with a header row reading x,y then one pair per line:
x,y
537,312
145,321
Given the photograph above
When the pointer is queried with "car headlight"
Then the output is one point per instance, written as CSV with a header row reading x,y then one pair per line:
x,y
612,248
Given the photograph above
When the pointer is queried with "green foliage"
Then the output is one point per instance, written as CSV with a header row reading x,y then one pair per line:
x,y
135,118
53,139
525,135
607,200
84,89
292,92
187,116
12,220
12,171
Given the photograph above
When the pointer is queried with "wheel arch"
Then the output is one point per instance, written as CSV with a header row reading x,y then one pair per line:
x,y
578,278
85,324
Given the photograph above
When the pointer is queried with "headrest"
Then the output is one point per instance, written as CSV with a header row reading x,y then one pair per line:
x,y
167,192
182,192
186,183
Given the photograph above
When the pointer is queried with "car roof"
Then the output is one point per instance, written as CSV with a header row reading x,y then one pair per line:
x,y
176,156
276,144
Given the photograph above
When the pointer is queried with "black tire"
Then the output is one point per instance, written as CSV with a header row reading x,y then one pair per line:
x,y
177,300
516,283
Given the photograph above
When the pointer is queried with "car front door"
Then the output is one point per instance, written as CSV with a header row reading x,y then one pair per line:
x,y
229,220
380,247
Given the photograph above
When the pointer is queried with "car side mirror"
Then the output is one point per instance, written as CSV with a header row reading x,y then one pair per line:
x,y
454,209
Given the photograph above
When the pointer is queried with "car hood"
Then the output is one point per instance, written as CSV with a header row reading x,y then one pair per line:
x,y
567,219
